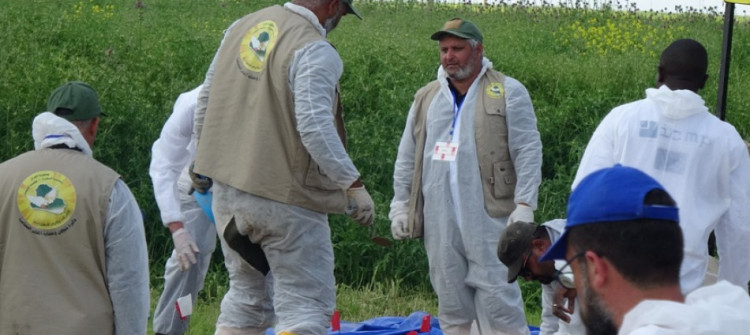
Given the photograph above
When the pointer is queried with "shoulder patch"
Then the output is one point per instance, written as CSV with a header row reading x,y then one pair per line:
x,y
258,44
495,90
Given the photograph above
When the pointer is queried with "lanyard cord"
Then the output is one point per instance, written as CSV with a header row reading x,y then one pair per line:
x,y
456,111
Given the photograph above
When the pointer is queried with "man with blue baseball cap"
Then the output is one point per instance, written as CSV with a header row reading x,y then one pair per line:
x,y
624,246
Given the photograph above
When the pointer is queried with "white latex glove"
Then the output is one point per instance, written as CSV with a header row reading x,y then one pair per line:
x,y
185,247
522,213
399,216
361,207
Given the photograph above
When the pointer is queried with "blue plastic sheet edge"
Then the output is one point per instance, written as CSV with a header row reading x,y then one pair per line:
x,y
392,325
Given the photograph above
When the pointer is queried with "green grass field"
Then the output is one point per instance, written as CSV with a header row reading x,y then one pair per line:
x,y
577,64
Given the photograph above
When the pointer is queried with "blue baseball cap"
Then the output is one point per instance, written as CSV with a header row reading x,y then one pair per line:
x,y
607,195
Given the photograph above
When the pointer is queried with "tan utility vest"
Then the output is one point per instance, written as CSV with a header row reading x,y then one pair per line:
x,y
249,138
491,134
52,262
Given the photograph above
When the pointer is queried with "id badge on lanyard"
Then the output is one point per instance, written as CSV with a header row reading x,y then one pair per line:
x,y
447,151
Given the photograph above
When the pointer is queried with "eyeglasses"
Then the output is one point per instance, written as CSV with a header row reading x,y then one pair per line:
x,y
525,272
564,276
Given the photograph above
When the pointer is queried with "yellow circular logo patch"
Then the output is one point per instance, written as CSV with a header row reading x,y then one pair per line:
x,y
257,45
46,200
495,90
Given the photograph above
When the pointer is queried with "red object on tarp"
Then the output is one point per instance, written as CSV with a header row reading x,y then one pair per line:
x,y
425,328
413,332
336,321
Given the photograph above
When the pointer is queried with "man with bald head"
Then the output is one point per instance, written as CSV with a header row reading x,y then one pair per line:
x,y
701,161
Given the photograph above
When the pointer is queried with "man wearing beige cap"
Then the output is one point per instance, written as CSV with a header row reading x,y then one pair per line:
x,y
73,256
271,137
469,163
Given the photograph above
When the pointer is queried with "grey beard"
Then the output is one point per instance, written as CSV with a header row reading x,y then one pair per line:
x,y
463,73
329,24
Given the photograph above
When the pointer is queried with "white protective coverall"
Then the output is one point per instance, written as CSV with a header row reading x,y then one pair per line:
x,y
721,308
171,155
124,236
460,238
700,160
296,241
551,324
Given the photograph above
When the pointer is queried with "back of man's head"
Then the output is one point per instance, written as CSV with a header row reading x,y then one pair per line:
x,y
628,218
684,64
74,101
647,252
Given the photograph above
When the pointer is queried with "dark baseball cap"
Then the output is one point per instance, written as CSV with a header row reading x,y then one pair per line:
x,y
460,28
74,101
350,9
515,242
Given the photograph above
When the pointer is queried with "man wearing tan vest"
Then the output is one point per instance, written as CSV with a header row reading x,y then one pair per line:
x,y
73,256
469,162
271,139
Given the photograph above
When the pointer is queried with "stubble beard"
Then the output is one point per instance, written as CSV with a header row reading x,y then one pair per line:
x,y
594,313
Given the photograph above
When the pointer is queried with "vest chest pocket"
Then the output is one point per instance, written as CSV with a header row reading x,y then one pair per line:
x,y
503,179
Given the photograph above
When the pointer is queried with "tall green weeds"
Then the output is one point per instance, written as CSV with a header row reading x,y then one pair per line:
x,y
140,55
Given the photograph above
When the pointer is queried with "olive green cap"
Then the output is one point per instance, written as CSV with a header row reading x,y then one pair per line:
x,y
460,28
350,9
74,101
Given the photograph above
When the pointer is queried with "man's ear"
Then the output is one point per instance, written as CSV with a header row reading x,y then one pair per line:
x,y
94,126
333,7
598,269
660,77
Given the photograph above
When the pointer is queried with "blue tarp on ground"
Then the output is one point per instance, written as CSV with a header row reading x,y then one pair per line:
x,y
392,325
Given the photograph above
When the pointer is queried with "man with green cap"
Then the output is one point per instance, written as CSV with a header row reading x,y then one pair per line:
x,y
73,256
468,164
271,137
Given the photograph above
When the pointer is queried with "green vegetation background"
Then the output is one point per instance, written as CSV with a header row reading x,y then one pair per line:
x,y
576,62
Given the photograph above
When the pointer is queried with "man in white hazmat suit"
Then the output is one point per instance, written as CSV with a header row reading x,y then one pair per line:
x,y
73,256
469,161
193,233
271,137
623,245
521,246
701,160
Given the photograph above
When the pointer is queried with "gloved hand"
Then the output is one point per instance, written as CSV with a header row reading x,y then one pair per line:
x,y
185,247
361,207
200,183
399,216
522,213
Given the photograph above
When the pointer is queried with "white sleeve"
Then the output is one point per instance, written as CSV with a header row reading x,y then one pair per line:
x,y
599,152
550,322
403,170
170,154
524,142
202,103
127,262
733,229
314,75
